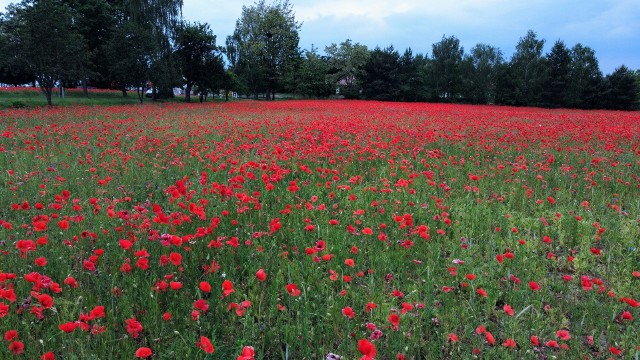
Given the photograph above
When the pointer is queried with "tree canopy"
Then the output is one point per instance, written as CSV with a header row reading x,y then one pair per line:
x,y
135,44
264,46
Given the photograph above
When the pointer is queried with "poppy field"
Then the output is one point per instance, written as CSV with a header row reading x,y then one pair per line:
x,y
319,230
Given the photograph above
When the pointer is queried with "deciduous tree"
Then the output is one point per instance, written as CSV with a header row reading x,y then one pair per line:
x,y
264,45
195,50
346,66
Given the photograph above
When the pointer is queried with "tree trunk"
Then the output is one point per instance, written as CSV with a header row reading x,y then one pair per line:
x,y
187,93
85,90
226,95
124,92
140,93
47,94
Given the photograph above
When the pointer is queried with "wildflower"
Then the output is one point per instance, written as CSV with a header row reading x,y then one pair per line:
x,y
510,343
535,341
10,335
247,353
453,338
394,320
134,328
534,286
205,345
68,327
16,347
348,312
261,275
292,289
563,335
205,287
227,288
508,309
367,349
143,352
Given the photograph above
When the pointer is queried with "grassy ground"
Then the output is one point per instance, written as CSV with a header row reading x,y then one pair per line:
x,y
309,228
33,97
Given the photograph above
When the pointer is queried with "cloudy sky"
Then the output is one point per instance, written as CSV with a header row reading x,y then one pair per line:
x,y
610,27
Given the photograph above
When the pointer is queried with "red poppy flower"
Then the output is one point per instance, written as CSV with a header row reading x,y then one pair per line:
x,y
563,335
534,286
68,327
552,344
205,345
615,351
367,349
143,352
394,320
470,277
508,309
16,347
370,306
10,335
348,312
453,338
41,261
489,337
261,275
535,341
227,288
134,328
349,262
63,224
510,343
175,258
45,300
205,286
292,289
247,353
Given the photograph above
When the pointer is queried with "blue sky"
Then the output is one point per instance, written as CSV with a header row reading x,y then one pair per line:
x,y
610,27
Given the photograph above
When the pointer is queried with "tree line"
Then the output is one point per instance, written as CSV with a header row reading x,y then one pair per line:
x,y
130,44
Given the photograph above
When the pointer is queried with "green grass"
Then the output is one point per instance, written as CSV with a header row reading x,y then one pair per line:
x,y
12,98
367,165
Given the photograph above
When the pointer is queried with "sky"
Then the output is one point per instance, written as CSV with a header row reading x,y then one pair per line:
x,y
610,27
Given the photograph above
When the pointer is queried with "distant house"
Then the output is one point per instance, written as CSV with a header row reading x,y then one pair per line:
x,y
345,82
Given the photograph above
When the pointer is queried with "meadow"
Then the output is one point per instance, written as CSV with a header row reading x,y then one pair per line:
x,y
319,230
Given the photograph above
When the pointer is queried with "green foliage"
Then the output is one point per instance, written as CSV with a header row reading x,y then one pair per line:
x,y
382,79
346,67
620,90
130,49
481,69
264,46
558,75
585,78
446,60
32,98
195,50
311,77
49,43
528,67
13,69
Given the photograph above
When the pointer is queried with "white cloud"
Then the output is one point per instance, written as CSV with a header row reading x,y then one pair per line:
x,y
379,10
